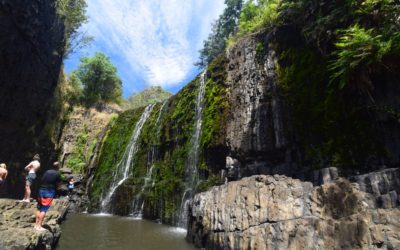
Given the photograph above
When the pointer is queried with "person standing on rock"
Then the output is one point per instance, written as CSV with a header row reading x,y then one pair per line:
x,y
32,168
3,173
51,180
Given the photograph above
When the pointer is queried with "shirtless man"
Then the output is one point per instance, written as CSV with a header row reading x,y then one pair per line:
x,y
3,173
32,167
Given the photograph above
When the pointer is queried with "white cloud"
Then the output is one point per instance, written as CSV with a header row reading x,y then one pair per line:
x,y
156,38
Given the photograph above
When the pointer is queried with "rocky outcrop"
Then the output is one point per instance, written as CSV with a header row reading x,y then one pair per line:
x,y
87,122
31,51
16,225
278,212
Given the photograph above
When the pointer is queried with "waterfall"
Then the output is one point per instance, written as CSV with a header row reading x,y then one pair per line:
x,y
138,203
122,170
191,168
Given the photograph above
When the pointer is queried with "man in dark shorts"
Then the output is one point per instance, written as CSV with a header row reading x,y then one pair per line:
x,y
50,181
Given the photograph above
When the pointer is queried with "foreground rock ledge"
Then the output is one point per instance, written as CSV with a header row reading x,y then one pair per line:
x,y
16,225
278,212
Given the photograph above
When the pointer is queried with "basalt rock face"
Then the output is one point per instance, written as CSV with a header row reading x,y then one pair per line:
x,y
257,128
16,225
31,49
278,212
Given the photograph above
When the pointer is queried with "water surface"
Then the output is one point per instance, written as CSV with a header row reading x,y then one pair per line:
x,y
86,232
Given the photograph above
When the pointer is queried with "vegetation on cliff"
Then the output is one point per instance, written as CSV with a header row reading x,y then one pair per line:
x,y
151,95
99,79
330,57
112,150
165,142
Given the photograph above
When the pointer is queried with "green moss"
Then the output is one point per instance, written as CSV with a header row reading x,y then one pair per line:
x,y
332,126
78,158
216,105
112,150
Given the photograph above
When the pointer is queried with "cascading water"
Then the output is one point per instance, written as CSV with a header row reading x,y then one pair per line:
x,y
191,168
138,203
122,170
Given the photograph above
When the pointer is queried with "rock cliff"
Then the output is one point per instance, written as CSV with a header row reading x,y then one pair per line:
x,y
16,225
278,212
31,51
257,129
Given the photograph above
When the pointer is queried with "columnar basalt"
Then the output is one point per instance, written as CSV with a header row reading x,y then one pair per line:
x,y
257,128
278,212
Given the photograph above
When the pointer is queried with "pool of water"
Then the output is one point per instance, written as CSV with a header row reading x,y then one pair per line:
x,y
84,231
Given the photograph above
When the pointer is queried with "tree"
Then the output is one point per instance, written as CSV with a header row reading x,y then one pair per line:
x,y
99,79
73,12
226,24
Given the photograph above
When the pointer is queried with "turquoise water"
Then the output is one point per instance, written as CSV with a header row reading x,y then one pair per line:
x,y
86,232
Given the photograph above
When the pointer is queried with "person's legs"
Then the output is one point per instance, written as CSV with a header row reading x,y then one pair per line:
x,y
39,220
45,199
27,192
28,182
40,214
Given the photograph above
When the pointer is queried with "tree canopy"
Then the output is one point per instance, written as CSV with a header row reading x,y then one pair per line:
x,y
221,30
73,12
99,79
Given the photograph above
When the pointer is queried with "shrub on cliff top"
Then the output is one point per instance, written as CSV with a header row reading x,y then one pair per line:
x,y
99,79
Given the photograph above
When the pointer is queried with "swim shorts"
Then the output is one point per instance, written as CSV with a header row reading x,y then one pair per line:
x,y
45,198
30,178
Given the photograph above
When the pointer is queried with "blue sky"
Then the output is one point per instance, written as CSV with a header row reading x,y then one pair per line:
x,y
151,42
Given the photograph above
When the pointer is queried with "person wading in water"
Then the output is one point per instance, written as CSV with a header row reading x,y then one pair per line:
x,y
51,180
3,173
32,168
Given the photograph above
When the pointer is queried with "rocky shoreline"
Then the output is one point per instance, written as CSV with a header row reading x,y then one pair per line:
x,y
16,225
278,212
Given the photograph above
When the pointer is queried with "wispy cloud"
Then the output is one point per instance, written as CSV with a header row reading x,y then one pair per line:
x,y
158,39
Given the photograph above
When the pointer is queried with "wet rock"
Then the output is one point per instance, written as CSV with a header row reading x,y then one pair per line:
x,y
16,225
278,212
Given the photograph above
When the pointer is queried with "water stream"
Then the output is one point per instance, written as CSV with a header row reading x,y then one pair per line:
x,y
191,168
138,202
124,166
